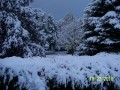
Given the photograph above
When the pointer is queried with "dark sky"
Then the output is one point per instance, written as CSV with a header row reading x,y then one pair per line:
x,y
58,8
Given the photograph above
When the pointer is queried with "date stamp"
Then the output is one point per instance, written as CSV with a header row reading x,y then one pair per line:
x,y
101,79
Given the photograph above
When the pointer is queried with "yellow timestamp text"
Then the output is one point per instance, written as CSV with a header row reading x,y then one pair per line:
x,y
101,79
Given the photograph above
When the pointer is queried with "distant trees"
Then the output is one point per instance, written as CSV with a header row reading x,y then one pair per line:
x,y
69,33
101,26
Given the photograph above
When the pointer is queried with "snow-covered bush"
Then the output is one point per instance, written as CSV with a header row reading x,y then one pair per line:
x,y
101,27
61,73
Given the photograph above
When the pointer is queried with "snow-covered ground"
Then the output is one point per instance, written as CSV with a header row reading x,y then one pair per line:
x,y
33,73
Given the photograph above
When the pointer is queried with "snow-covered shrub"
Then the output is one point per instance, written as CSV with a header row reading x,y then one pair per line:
x,y
61,73
34,50
101,27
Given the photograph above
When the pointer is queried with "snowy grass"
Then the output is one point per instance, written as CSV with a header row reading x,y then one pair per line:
x,y
72,72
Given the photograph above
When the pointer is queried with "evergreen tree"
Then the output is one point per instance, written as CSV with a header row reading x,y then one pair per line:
x,y
99,25
15,38
50,31
33,20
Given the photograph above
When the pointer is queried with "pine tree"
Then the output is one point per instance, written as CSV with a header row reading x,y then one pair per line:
x,y
99,25
15,38
33,20
50,29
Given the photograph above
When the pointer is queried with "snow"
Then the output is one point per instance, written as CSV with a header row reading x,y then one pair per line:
x,y
117,26
113,21
33,72
118,8
110,14
108,41
93,39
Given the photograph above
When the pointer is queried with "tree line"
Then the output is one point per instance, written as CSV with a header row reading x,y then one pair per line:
x,y
27,31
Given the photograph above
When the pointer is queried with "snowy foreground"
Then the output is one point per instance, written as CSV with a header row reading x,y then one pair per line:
x,y
46,73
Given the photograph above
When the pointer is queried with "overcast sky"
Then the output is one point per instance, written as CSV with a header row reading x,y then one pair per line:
x,y
58,8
